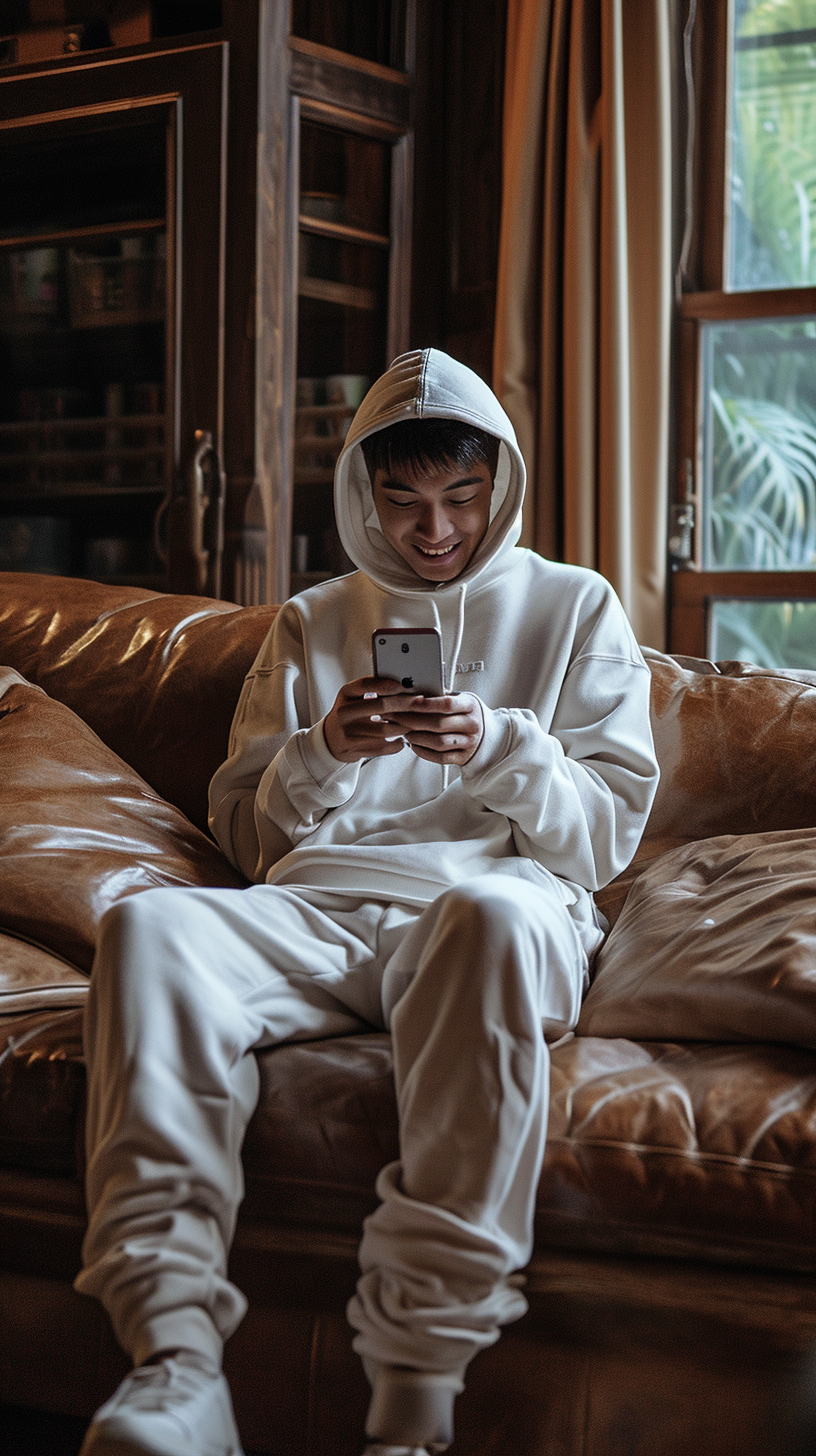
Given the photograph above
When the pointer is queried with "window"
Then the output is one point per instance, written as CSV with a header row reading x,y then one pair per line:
x,y
743,536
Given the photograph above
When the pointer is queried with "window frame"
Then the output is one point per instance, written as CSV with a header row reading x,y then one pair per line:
x,y
703,299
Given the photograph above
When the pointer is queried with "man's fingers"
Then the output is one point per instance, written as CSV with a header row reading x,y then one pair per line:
x,y
447,723
370,687
441,742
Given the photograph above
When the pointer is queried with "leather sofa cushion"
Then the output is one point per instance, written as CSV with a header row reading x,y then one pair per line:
x,y
655,1149
42,1094
78,830
652,1148
156,676
736,747
611,899
31,976
716,942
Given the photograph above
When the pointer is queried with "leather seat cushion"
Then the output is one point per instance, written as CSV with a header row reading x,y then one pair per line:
x,y
663,1149
33,977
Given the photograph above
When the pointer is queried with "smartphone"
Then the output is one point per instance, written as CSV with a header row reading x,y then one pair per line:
x,y
412,655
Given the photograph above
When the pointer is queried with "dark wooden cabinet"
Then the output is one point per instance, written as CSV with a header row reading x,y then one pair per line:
x,y
204,257
207,244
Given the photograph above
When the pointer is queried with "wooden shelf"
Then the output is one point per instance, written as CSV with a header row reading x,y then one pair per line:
x,y
105,458
348,295
75,490
83,424
97,232
18,325
342,232
101,458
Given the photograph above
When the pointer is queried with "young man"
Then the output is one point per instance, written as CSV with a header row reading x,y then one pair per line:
x,y
421,865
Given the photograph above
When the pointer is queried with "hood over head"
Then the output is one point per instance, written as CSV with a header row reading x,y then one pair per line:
x,y
426,384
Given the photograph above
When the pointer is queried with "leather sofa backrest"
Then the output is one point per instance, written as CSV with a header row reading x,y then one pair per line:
x,y
156,676
736,746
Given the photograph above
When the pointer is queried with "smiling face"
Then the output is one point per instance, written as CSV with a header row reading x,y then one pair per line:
x,y
435,521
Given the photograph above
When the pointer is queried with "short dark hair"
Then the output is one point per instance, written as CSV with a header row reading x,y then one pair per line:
x,y
421,445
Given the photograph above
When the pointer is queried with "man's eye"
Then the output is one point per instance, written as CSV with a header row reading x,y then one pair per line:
x,y
466,502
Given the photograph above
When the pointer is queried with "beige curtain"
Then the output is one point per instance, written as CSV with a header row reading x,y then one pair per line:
x,y
581,358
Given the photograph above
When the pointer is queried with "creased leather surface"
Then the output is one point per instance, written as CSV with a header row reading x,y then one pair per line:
x,y
79,829
156,676
660,1148
716,942
692,1151
736,748
653,1149
612,898
31,977
657,1149
42,1091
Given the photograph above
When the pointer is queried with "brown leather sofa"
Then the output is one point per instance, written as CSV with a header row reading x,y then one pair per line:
x,y
672,1290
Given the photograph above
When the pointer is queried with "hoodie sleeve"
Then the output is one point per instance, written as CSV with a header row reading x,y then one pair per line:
x,y
280,777
578,793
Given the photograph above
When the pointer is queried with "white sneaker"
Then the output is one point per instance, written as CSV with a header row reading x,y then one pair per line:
x,y
175,1407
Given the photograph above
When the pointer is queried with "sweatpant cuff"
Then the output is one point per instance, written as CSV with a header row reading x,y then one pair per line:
x,y
411,1407
179,1329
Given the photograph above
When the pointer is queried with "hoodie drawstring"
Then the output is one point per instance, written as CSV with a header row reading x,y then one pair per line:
x,y
457,647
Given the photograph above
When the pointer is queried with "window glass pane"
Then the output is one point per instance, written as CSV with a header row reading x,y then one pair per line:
x,y
344,179
83,347
87,177
343,273
760,445
768,633
772,240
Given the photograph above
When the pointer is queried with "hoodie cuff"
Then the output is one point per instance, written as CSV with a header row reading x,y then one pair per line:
x,y
335,780
495,744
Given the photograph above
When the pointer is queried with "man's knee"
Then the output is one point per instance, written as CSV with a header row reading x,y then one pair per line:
x,y
136,920
493,910
140,943
503,932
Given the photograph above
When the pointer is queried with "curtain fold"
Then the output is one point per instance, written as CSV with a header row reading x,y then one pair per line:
x,y
584,297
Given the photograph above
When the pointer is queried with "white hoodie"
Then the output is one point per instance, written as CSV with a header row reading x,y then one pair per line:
x,y
564,777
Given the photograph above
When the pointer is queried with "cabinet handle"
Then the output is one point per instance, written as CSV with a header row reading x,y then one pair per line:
x,y
205,518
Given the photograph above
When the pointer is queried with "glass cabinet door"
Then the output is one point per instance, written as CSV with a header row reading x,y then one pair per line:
x,y
352,181
110,302
344,242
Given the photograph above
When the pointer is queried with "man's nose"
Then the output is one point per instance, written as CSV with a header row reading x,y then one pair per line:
x,y
433,522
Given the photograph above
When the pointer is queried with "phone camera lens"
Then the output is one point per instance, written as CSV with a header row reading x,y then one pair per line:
x,y
405,647
380,641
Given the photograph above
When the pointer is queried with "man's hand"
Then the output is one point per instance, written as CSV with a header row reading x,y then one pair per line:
x,y
372,718
441,730
359,725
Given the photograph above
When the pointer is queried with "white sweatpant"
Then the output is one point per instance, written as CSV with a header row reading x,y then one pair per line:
x,y
188,982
